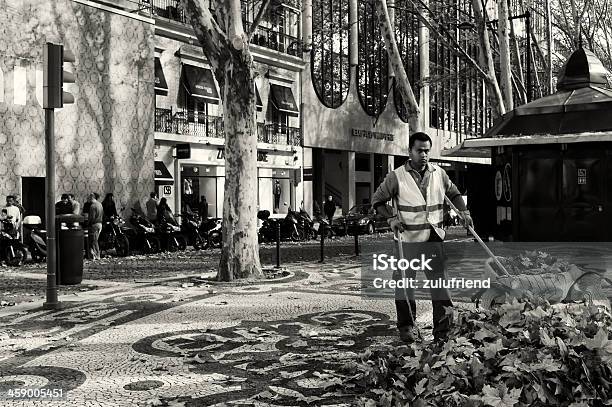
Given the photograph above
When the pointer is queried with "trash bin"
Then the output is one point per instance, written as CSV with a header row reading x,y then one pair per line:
x,y
70,244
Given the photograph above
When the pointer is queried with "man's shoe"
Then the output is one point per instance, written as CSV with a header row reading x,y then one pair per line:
x,y
409,334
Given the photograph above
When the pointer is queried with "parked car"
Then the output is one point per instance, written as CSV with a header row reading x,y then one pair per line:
x,y
364,219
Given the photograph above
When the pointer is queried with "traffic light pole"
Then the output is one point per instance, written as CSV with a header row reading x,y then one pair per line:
x,y
52,301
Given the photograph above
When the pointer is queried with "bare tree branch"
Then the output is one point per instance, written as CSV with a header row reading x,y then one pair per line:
x,y
258,17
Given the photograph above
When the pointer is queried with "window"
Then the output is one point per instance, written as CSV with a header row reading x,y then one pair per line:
x,y
330,51
372,66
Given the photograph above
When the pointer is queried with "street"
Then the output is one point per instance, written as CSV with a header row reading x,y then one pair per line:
x,y
161,331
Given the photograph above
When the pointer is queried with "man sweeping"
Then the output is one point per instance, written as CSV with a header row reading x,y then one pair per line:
x,y
417,191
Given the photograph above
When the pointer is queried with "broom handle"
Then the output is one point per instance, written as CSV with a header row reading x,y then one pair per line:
x,y
473,232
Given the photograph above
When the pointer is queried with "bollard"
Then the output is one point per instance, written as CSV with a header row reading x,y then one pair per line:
x,y
278,233
356,231
322,231
303,229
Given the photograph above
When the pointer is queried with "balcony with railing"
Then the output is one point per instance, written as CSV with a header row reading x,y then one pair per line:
x,y
281,37
189,123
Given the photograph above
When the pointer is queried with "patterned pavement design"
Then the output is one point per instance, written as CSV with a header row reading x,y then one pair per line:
x,y
193,341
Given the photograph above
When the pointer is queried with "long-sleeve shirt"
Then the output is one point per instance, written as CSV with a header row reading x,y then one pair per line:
x,y
390,188
95,212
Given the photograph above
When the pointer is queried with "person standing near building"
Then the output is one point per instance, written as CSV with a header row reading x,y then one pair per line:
x,y
152,207
329,207
417,190
109,207
63,206
76,206
96,213
13,212
203,208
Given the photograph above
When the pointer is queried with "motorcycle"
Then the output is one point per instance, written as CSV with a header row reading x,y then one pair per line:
x,y
190,230
13,252
35,238
170,236
145,237
211,231
288,227
306,225
113,236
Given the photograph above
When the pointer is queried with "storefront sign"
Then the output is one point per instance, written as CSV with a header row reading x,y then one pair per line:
x,y
167,190
582,176
262,156
371,134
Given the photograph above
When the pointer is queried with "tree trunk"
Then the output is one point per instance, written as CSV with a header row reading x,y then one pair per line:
x,y
240,252
395,60
487,60
518,63
504,54
232,63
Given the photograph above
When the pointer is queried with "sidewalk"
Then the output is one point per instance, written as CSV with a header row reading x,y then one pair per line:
x,y
183,339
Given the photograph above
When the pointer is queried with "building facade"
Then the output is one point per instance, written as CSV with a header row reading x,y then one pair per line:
x,y
104,141
362,128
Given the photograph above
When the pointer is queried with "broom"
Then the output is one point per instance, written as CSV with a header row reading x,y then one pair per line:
x,y
473,232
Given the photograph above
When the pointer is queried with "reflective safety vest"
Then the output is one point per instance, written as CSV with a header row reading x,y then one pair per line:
x,y
416,214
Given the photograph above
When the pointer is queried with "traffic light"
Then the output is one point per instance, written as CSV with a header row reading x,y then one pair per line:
x,y
54,76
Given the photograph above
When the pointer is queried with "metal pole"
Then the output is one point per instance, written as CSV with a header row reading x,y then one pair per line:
x,y
322,226
356,231
528,30
52,302
278,233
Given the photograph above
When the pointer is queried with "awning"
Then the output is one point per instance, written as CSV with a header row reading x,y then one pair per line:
x,y
161,86
258,104
481,146
162,175
199,83
282,99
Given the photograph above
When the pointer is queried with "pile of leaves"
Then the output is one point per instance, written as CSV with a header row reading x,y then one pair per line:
x,y
533,262
519,354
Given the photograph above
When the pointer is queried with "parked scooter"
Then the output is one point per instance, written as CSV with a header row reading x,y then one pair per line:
x,y
113,236
35,238
145,237
305,225
211,231
288,227
190,230
13,252
170,236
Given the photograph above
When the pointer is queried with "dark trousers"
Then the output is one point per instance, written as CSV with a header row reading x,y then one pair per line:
x,y
440,297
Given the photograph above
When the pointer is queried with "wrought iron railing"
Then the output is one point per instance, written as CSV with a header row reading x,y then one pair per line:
x,y
276,40
195,124
279,134
189,123
169,9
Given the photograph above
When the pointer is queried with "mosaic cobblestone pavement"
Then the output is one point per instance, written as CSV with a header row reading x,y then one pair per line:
x,y
190,341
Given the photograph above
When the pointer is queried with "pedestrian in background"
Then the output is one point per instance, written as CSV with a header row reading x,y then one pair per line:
x,y
329,208
76,206
17,203
109,207
203,208
164,213
152,207
63,206
96,214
